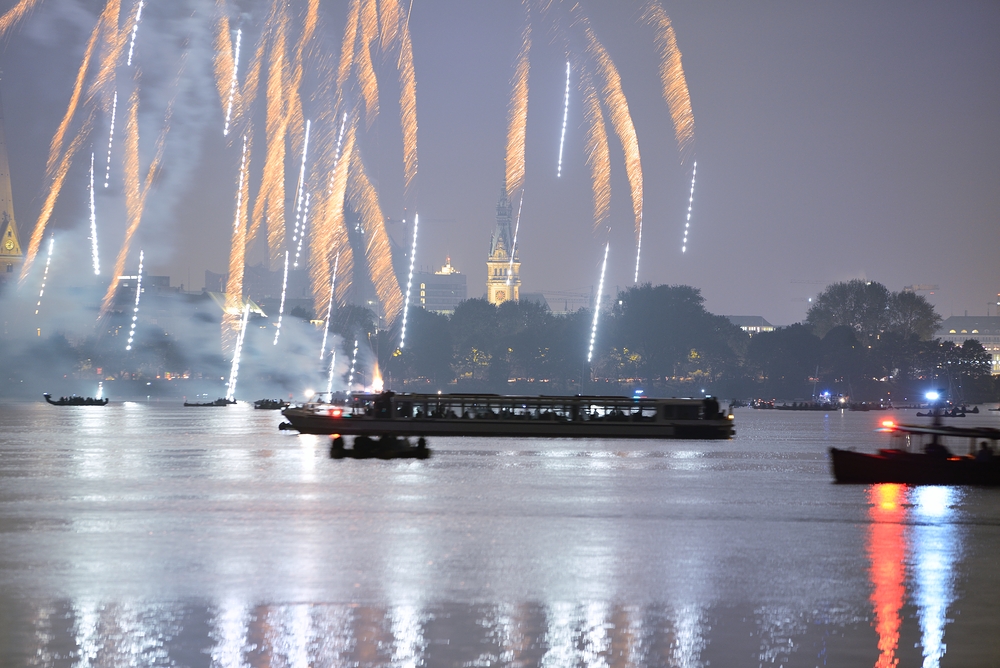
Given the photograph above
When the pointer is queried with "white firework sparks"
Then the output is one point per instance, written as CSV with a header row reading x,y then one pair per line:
x,y
281,307
562,138
135,31
354,362
235,370
687,224
135,309
513,245
45,274
597,306
232,86
111,139
409,280
329,309
300,231
93,222
329,379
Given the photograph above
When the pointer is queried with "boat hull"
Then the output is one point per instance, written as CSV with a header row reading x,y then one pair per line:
x,y
309,422
898,466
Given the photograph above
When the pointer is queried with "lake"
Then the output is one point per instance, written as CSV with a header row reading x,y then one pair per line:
x,y
148,534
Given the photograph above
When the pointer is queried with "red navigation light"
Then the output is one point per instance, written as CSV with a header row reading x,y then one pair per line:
x,y
336,412
888,424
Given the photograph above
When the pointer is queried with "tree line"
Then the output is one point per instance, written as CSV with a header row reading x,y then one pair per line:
x,y
858,339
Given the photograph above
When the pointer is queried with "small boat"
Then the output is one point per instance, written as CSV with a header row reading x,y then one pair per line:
x,y
271,404
74,400
923,458
386,447
953,413
218,402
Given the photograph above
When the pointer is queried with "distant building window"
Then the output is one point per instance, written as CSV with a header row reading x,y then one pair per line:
x,y
965,331
10,268
951,331
975,331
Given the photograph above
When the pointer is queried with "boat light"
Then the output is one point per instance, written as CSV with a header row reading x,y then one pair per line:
x,y
932,395
336,412
888,424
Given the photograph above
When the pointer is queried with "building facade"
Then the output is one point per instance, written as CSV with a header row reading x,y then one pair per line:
x,y
751,324
442,290
983,328
503,280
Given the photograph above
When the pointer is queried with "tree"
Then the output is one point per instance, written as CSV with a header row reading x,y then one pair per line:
x,y
910,313
861,305
784,360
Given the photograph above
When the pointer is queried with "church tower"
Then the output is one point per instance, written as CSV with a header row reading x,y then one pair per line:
x,y
503,280
11,256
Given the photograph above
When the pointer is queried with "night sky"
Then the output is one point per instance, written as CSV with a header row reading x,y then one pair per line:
x,y
834,141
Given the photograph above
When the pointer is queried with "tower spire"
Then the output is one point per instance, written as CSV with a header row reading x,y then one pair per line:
x,y
11,256
503,282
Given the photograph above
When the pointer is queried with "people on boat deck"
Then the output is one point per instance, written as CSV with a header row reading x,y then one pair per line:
x,y
984,454
935,449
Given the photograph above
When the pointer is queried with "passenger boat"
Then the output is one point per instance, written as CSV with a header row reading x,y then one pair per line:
x,y
391,414
923,458
74,400
218,402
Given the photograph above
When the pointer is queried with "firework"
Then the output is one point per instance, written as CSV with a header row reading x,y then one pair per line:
x,y
354,362
302,234
562,137
621,120
598,154
378,251
597,306
111,139
675,88
13,15
135,192
281,307
135,31
365,67
517,117
235,369
135,308
329,378
408,106
235,80
237,252
687,224
330,232
409,280
93,222
45,274
329,311
513,245
347,47
299,196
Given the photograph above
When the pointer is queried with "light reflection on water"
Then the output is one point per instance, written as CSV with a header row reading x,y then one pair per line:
x,y
150,535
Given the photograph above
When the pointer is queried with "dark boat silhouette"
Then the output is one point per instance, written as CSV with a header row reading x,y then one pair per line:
x,y
270,404
218,402
74,400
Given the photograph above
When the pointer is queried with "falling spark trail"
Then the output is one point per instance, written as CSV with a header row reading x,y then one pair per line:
x,y
302,234
234,372
329,310
93,222
409,280
687,225
597,306
598,154
638,251
517,116
562,138
13,15
298,197
281,307
111,139
513,245
329,378
675,88
354,361
232,87
45,274
237,252
135,31
135,309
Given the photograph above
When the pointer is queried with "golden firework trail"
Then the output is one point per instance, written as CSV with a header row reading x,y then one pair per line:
x,y
377,249
329,232
675,88
365,68
237,255
621,120
598,154
296,73
408,106
347,48
390,17
517,116
14,15
234,85
135,192
115,39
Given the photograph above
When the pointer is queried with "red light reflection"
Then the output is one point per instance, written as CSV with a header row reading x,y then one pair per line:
x,y
887,552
